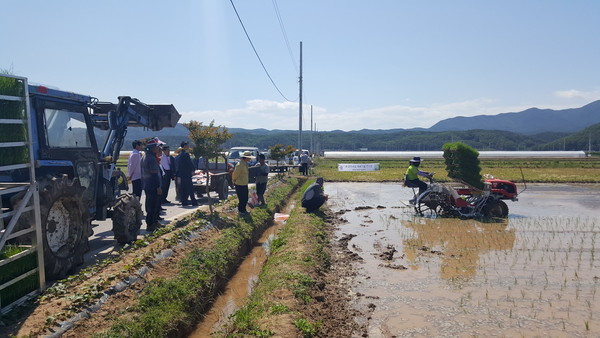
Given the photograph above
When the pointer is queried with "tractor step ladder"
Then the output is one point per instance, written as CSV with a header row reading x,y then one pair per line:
x,y
21,274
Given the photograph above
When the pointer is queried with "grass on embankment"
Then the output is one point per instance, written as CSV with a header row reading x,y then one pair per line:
x,y
172,306
277,305
576,170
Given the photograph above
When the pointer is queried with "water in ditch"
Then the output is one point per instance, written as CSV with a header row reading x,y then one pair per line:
x,y
535,274
241,284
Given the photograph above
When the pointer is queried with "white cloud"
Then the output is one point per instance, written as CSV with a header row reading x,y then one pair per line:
x,y
578,94
284,115
256,114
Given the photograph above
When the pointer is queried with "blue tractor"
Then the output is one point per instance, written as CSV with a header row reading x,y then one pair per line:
x,y
76,144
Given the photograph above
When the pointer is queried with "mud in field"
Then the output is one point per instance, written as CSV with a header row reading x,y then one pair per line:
x,y
535,274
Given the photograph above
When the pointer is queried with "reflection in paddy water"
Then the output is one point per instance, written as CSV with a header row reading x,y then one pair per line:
x,y
459,242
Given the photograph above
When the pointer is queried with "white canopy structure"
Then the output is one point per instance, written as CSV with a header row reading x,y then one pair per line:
x,y
382,155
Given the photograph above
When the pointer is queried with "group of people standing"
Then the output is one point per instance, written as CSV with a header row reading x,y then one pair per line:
x,y
153,172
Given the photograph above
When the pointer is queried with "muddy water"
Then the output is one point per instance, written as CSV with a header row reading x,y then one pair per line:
x,y
240,286
535,274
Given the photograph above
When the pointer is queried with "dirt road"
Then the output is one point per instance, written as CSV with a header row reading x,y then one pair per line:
x,y
103,243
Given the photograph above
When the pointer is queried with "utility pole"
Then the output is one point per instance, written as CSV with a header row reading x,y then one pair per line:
x,y
311,130
300,108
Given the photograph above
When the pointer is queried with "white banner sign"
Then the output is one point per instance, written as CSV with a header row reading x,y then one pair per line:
x,y
358,167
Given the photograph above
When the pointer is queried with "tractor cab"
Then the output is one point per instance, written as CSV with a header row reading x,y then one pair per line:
x,y
64,139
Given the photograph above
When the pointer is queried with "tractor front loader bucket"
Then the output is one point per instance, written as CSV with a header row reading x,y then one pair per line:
x,y
162,116
152,116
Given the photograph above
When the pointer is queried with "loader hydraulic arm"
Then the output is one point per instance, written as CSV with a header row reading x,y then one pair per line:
x,y
130,112
127,109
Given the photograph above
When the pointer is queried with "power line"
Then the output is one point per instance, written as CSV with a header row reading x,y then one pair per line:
x,y
287,42
255,52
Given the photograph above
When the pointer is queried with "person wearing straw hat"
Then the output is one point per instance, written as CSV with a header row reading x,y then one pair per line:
x,y
411,177
240,180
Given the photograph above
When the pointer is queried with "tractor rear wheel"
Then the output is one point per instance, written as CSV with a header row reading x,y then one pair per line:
x,y
66,225
127,218
495,209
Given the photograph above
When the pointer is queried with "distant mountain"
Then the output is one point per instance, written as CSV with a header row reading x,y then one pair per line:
x,y
586,139
530,121
542,129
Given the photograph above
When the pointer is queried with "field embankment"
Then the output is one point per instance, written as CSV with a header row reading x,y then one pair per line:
x,y
302,290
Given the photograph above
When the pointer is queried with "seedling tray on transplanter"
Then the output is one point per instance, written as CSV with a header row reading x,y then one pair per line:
x,y
15,262
12,109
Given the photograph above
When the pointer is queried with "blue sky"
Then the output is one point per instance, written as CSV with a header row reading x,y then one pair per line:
x,y
366,64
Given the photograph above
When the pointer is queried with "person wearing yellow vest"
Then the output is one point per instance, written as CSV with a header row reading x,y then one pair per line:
x,y
411,178
240,180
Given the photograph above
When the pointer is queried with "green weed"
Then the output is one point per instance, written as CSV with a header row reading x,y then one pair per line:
x,y
308,329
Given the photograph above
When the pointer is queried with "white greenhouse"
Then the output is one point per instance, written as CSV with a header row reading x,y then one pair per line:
x,y
382,155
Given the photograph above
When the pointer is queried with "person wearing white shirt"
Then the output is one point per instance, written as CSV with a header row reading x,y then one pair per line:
x,y
134,171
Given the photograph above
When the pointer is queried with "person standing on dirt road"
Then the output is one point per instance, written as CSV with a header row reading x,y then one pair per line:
x,y
411,177
313,197
262,178
240,178
134,170
304,161
167,162
151,182
185,171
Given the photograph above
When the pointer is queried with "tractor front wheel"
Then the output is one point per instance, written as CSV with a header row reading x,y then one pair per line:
x,y
127,218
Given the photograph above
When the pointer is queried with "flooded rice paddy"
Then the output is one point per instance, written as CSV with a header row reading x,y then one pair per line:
x,y
534,274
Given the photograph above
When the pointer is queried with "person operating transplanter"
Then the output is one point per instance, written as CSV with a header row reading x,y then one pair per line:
x,y
411,178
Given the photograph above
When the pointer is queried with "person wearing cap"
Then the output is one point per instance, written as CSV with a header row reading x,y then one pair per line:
x,y
411,177
167,162
262,177
240,180
134,169
313,197
185,171
151,182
